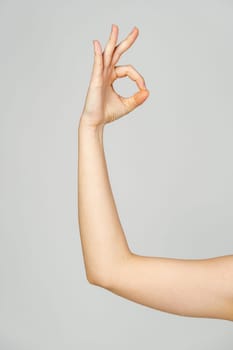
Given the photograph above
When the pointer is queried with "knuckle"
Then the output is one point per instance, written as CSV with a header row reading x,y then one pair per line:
x,y
107,53
142,79
98,62
98,65
116,48
115,59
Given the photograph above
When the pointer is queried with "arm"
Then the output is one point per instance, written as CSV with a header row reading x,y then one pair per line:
x,y
103,242
196,288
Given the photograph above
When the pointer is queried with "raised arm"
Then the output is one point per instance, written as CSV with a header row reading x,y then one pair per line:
x,y
196,288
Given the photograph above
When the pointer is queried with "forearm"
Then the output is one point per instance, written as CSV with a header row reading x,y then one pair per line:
x,y
103,241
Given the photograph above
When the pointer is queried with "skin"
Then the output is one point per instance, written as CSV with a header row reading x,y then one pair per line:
x,y
187,287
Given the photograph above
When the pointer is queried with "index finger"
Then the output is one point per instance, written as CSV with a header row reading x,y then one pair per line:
x,y
124,45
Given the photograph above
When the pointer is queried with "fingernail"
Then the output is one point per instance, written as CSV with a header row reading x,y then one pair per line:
x,y
133,29
96,47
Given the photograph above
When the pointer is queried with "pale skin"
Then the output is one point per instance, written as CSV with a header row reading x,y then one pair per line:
x,y
187,287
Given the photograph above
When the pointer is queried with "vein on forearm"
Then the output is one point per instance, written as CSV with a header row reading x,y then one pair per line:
x,y
103,241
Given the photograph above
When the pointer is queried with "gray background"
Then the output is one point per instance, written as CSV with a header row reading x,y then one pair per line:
x,y
169,161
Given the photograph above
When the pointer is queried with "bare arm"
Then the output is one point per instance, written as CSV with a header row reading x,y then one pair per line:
x,y
196,288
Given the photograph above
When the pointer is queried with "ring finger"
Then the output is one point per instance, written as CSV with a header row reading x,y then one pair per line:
x,y
110,45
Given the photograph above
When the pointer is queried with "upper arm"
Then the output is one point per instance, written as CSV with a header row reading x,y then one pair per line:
x,y
195,288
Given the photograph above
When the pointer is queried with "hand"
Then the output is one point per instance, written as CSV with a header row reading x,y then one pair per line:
x,y
103,104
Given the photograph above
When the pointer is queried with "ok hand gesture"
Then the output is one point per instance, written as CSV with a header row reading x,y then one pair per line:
x,y
103,104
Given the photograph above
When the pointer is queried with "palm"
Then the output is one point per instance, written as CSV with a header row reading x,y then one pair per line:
x,y
114,105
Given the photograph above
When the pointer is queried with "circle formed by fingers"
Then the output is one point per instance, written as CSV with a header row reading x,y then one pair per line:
x,y
139,97
132,73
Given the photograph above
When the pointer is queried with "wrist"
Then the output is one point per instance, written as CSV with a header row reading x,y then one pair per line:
x,y
84,122
85,127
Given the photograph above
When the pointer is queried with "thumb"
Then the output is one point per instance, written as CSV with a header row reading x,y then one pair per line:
x,y
134,101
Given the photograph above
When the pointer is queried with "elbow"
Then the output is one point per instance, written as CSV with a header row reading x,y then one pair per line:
x,y
100,280
107,275
92,280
